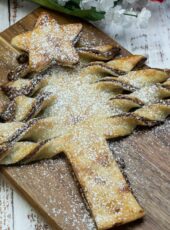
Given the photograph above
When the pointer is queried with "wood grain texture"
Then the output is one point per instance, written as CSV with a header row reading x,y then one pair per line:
x,y
154,41
62,205
15,211
4,15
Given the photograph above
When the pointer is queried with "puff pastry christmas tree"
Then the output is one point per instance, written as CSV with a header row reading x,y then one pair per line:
x,y
76,110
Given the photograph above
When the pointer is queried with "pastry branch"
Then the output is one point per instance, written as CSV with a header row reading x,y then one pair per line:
x,y
148,115
105,52
120,65
150,93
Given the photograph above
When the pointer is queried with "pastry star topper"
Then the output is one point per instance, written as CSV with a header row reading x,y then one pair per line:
x,y
49,42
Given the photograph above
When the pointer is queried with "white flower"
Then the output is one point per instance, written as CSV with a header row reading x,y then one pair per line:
x,y
100,5
143,17
114,21
136,5
62,2
126,13
104,5
130,1
115,14
88,4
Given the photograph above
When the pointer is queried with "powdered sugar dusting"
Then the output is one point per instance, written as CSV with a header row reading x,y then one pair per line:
x,y
148,94
77,99
63,202
49,42
147,170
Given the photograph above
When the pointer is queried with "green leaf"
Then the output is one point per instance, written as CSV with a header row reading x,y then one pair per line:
x,y
76,1
72,8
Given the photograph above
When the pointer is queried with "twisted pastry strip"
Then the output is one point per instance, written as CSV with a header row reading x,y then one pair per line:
x,y
102,174
25,86
148,94
30,86
144,77
16,88
167,84
20,71
140,78
123,105
4,100
137,79
84,142
105,52
119,126
9,137
144,95
25,104
118,66
115,83
36,129
152,94
23,108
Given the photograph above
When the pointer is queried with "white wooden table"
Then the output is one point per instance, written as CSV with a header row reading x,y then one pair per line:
x,y
154,42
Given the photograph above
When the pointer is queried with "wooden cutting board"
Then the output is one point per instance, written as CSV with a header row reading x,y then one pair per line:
x,y
50,185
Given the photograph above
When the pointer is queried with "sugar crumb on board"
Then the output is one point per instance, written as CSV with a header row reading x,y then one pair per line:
x,y
68,207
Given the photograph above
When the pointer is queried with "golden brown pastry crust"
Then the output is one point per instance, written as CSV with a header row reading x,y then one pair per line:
x,y
49,42
75,110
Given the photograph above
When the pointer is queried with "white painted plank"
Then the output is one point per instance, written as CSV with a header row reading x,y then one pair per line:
x,y
15,212
4,20
153,41
159,45
6,206
19,9
25,217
